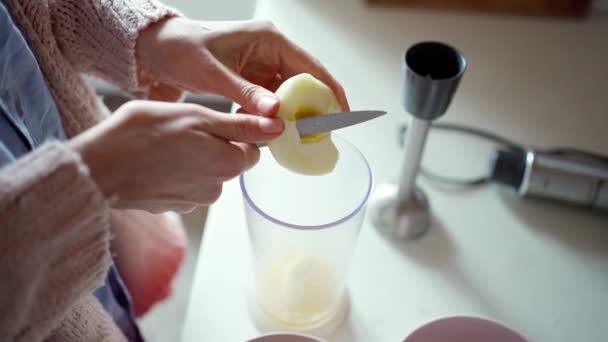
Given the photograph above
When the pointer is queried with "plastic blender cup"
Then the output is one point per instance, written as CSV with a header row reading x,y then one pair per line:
x,y
303,231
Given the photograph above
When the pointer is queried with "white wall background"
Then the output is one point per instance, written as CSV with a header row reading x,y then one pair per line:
x,y
215,9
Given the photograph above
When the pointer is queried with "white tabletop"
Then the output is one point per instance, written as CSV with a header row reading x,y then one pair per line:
x,y
538,267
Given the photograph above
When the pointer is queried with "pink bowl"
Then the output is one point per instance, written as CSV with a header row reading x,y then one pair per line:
x,y
286,337
466,329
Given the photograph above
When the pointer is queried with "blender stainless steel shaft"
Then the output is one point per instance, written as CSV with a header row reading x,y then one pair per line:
x,y
431,73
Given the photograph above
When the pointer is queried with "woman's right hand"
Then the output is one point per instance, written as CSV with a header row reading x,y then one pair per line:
x,y
159,156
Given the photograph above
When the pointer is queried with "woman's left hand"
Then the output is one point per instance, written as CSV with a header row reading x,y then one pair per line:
x,y
243,61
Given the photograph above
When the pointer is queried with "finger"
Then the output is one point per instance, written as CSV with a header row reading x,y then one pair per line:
x,y
164,92
209,195
275,84
233,159
159,206
251,154
206,190
294,60
240,127
254,98
271,85
261,78
183,209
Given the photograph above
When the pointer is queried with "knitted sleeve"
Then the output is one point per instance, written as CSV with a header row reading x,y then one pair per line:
x,y
87,321
54,240
99,36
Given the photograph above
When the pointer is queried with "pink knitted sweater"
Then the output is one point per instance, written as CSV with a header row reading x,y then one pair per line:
x,y
53,219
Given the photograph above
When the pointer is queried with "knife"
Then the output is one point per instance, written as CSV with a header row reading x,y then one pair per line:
x,y
330,122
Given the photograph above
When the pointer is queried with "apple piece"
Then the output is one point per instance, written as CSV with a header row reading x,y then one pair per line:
x,y
304,96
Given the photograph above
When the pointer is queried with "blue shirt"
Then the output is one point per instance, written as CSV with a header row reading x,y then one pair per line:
x,y
28,118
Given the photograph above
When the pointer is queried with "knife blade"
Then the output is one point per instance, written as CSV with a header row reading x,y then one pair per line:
x,y
330,122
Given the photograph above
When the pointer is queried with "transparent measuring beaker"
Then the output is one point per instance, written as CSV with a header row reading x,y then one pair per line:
x,y
303,231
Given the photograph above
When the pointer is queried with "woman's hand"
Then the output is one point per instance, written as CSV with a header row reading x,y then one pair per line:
x,y
159,156
243,61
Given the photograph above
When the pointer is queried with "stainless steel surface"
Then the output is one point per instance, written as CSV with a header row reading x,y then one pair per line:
x,y
406,220
330,122
414,145
570,179
403,211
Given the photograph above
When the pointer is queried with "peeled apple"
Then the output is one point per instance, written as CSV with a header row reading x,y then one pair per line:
x,y
303,96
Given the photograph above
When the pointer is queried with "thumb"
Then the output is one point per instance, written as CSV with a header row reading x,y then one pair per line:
x,y
252,97
245,128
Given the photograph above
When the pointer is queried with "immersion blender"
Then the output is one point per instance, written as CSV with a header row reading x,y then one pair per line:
x,y
431,72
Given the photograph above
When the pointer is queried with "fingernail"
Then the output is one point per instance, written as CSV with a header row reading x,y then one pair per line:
x,y
267,105
271,125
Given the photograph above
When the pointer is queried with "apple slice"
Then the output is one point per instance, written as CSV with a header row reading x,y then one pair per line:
x,y
304,96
